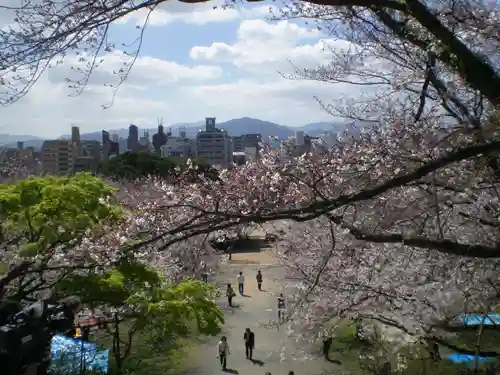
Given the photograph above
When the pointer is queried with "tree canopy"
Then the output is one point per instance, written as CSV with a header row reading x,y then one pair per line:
x,y
137,307
137,165
45,220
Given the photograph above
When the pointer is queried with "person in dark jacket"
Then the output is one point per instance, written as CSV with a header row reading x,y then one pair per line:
x,y
259,280
327,344
249,338
230,295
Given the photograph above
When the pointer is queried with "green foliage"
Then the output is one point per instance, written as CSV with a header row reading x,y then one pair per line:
x,y
137,165
157,315
112,288
51,210
178,308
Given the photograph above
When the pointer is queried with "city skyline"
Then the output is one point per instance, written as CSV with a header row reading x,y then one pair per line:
x,y
179,127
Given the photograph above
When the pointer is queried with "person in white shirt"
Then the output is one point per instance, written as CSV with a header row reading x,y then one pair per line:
x,y
241,281
223,352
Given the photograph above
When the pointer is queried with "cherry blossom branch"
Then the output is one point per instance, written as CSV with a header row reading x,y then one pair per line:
x,y
442,245
219,220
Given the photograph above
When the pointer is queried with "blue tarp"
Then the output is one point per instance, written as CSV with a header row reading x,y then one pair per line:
x,y
463,358
476,319
68,354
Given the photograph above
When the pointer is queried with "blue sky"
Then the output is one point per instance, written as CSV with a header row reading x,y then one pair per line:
x,y
195,62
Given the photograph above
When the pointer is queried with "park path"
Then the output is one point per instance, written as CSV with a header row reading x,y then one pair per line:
x,y
254,311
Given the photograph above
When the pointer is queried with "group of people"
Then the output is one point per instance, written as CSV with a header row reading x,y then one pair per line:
x,y
230,293
248,336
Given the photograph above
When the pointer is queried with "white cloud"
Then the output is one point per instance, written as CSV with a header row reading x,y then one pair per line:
x,y
147,71
262,45
180,93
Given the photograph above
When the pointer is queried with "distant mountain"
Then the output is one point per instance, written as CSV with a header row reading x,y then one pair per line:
x,y
9,138
235,127
247,125
10,141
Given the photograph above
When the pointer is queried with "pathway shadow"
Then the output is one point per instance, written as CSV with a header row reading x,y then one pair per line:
x,y
250,245
231,371
257,362
246,295
335,361
230,309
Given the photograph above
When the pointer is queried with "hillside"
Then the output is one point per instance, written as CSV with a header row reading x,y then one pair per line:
x,y
29,140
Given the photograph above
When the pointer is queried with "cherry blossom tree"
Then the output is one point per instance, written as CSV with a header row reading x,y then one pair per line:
x,y
411,159
417,292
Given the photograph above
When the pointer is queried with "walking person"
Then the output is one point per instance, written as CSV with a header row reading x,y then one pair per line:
x,y
204,273
281,308
230,294
259,280
223,352
249,338
241,282
327,344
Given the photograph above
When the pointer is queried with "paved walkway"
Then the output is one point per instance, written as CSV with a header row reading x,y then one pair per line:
x,y
254,311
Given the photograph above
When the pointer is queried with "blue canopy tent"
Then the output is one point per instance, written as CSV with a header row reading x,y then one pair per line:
x,y
471,320
464,358
70,355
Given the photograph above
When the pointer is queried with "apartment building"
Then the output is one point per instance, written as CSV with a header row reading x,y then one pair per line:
x,y
133,138
179,146
242,142
58,156
88,156
214,144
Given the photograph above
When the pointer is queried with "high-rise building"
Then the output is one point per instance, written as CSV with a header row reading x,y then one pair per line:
x,y
88,157
105,137
299,137
58,156
109,147
75,134
133,138
145,141
245,141
214,144
159,139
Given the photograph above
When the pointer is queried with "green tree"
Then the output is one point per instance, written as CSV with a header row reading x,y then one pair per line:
x,y
138,165
145,315
44,221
